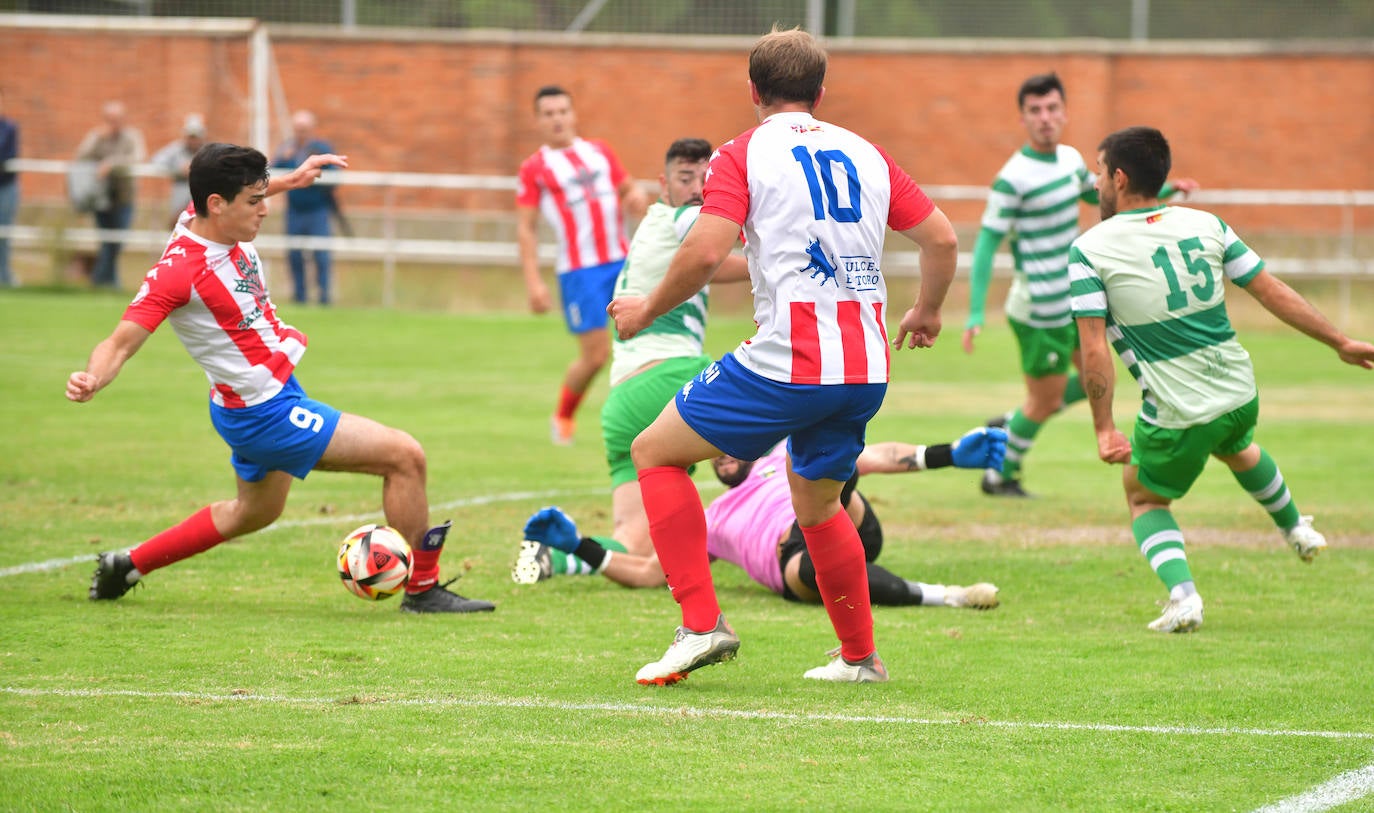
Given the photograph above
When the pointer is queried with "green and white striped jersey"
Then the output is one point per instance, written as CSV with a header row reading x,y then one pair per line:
x,y
682,330
1034,199
1157,276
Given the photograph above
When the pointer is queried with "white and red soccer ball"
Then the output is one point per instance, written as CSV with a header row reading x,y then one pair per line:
x,y
375,562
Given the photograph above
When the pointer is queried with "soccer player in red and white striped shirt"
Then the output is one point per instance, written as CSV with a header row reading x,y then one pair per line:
x,y
584,194
209,285
814,201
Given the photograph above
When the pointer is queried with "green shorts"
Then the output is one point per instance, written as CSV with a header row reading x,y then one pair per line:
x,y
1045,350
1170,460
634,403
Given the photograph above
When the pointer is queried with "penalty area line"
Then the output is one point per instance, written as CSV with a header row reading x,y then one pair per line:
x,y
331,519
537,704
1347,787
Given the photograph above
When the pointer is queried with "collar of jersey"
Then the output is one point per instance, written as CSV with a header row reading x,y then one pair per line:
x,y
1144,210
1031,153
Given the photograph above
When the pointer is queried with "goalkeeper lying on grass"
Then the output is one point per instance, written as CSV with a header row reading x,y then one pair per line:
x,y
752,525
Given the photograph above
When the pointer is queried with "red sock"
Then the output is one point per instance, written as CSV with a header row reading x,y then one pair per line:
x,y
842,578
195,534
425,573
677,526
567,402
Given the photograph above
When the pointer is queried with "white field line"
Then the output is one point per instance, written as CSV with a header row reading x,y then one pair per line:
x,y
1348,787
538,704
331,519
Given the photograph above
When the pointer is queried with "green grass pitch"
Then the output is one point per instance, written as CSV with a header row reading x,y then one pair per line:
x,y
248,679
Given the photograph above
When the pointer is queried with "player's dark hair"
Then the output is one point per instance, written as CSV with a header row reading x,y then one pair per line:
x,y
691,150
1140,152
1040,85
787,66
224,170
549,90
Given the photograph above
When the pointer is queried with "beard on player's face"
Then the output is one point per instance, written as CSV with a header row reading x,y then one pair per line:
x,y
731,470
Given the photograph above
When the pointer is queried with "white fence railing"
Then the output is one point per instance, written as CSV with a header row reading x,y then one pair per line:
x,y
388,248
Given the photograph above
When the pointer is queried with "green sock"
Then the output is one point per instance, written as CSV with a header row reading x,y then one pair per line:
x,y
1021,432
1161,542
1265,483
1073,392
610,544
565,564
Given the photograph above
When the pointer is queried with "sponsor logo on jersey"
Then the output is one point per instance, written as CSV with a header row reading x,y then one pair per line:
x,y
821,265
861,272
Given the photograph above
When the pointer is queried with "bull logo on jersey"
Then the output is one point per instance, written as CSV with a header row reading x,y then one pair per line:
x,y
821,265
250,282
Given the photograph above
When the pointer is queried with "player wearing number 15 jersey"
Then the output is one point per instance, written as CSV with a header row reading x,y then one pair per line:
x,y
814,201
209,284
1151,279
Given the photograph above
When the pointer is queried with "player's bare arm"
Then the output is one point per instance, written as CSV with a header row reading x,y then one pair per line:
x,y
1099,382
708,244
305,174
527,237
106,360
939,257
1288,305
633,200
735,268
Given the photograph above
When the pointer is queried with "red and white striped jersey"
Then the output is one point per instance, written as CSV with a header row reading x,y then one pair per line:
x,y
576,189
814,200
216,300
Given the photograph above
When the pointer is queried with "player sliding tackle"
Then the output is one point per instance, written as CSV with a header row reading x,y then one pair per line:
x,y
753,526
211,287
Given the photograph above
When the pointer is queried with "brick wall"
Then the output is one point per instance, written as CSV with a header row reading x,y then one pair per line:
x,y
1238,116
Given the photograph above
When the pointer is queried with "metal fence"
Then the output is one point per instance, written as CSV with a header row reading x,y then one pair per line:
x,y
1109,19
390,236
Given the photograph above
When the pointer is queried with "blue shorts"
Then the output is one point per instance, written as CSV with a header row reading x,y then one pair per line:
x,y
586,292
744,415
288,433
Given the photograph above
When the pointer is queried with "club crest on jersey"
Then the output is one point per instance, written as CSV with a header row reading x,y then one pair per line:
x,y
250,282
820,265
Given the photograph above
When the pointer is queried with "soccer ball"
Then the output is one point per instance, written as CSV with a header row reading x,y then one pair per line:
x,y
375,562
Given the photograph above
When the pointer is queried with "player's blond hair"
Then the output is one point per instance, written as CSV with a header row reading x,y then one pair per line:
x,y
787,66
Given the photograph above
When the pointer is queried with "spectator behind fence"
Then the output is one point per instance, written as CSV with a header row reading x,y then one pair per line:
x,y
175,160
307,209
109,153
9,191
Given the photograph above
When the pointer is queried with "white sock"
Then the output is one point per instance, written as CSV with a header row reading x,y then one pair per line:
x,y
1182,591
932,595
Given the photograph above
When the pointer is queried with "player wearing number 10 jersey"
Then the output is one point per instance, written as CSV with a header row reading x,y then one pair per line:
x,y
814,201
1151,279
210,286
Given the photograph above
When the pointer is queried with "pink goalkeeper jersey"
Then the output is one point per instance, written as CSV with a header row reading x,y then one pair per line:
x,y
815,201
577,190
744,524
216,300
